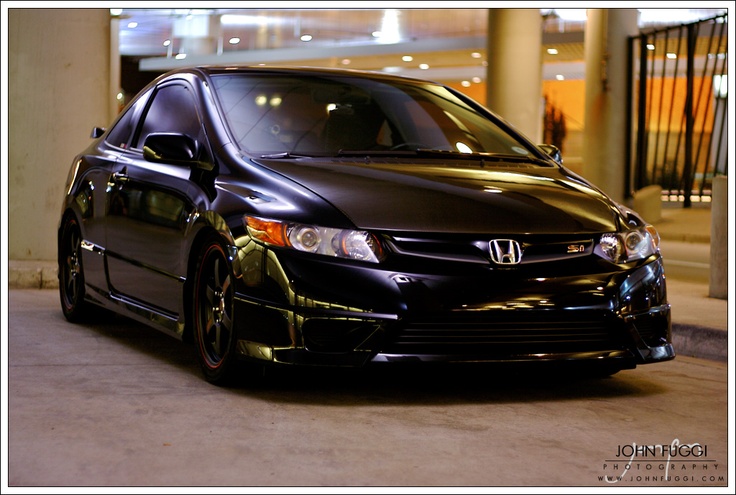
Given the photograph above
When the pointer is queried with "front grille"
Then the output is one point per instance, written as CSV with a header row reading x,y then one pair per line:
x,y
504,335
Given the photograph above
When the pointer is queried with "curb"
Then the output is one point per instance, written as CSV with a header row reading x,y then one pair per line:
x,y
700,342
32,275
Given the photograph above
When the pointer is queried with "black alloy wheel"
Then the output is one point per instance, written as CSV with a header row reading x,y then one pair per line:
x,y
213,313
71,274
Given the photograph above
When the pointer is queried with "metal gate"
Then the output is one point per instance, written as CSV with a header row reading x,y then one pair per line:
x,y
678,118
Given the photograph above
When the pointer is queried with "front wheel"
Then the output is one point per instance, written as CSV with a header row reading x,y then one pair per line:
x,y
213,313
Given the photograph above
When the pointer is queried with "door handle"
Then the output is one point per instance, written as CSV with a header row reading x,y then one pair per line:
x,y
120,177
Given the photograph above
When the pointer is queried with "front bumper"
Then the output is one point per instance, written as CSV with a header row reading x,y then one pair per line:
x,y
330,314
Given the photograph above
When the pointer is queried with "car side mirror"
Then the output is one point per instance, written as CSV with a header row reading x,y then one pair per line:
x,y
553,151
175,149
97,132
170,148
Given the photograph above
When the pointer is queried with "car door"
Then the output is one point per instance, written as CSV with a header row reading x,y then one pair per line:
x,y
150,207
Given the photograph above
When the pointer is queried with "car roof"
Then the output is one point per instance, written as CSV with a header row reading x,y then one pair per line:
x,y
209,70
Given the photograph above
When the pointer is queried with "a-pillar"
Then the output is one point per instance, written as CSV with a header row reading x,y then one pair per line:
x,y
606,98
514,74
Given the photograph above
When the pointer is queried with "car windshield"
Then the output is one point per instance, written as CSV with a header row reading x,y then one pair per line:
x,y
327,115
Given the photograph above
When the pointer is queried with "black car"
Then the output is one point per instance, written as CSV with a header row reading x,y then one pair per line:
x,y
330,217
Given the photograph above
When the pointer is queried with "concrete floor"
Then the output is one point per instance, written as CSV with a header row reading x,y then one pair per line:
x,y
120,405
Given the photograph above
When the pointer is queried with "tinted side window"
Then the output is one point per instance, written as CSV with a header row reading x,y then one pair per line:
x,y
173,110
123,129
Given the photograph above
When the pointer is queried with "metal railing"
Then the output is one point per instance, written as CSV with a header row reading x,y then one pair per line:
x,y
678,118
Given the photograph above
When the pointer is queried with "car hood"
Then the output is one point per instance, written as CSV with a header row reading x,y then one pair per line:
x,y
448,197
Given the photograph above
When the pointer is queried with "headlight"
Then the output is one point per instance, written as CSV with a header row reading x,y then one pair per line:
x,y
628,246
340,243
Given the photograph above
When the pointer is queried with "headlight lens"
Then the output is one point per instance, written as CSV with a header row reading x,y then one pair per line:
x,y
340,243
628,246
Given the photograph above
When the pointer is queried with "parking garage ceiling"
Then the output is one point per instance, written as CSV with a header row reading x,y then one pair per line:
x,y
430,43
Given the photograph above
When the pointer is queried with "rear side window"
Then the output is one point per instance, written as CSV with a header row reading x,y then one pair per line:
x,y
122,131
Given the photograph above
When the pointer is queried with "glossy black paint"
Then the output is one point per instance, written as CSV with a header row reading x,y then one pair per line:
x,y
149,212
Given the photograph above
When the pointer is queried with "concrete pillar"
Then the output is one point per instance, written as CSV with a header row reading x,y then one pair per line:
x,y
606,68
116,104
719,238
514,75
58,90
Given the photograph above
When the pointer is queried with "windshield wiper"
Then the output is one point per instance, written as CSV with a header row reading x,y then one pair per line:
x,y
376,153
286,154
496,157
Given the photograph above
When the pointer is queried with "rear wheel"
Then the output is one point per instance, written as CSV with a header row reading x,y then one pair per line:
x,y
71,274
213,313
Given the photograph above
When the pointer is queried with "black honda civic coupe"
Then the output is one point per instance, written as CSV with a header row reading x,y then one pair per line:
x,y
342,218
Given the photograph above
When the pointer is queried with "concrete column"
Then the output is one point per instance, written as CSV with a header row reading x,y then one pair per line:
x,y
514,76
58,90
606,67
719,238
116,105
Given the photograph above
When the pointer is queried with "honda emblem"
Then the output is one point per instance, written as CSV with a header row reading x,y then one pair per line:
x,y
505,251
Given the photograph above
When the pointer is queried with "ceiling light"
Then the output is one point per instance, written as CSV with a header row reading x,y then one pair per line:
x,y
650,47
389,32
247,20
306,37
560,77
671,55
116,12
132,25
424,66
552,51
234,41
167,42
476,55
407,58
345,61
465,84
477,80
181,56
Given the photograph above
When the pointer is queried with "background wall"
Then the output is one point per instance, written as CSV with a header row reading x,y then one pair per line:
x,y
58,80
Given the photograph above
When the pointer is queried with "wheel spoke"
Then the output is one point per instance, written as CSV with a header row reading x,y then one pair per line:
x,y
226,321
217,343
209,294
216,272
225,284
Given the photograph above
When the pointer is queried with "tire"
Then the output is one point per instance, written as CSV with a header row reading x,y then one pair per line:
x,y
213,312
71,273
